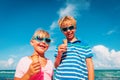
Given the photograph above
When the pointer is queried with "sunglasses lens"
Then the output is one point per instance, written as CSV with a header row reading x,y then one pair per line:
x,y
64,29
68,28
39,39
47,40
71,27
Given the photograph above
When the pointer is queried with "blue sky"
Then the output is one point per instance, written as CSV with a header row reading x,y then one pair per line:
x,y
98,24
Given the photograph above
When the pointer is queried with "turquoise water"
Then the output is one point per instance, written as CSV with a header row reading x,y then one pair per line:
x,y
7,74
107,74
99,74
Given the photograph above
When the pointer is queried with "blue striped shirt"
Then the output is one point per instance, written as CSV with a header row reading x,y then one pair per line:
x,y
73,62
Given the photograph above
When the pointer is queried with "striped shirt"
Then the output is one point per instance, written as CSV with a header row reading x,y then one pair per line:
x,y
73,62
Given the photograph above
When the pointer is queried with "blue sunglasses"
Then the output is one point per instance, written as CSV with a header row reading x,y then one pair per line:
x,y
47,40
67,28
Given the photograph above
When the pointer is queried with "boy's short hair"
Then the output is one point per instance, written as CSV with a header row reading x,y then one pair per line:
x,y
41,33
65,18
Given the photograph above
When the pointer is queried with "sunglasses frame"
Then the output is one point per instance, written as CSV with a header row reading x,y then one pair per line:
x,y
46,40
67,28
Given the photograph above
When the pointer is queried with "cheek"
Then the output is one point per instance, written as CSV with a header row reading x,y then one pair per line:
x,y
47,46
74,31
46,49
65,33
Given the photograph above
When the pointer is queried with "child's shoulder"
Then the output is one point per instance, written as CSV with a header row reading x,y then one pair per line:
x,y
25,58
24,61
83,44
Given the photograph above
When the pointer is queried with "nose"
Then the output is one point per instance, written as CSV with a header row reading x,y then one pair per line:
x,y
68,30
43,42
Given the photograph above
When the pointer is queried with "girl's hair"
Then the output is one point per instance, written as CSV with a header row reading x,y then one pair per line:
x,y
65,19
41,33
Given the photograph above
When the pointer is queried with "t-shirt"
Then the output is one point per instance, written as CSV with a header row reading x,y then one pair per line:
x,y
24,64
73,62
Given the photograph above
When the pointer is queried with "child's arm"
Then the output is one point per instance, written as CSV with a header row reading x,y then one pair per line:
x,y
25,77
33,69
90,68
57,60
61,49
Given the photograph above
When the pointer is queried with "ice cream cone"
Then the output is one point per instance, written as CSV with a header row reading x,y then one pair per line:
x,y
35,58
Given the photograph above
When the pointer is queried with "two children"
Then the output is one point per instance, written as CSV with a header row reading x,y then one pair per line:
x,y
73,60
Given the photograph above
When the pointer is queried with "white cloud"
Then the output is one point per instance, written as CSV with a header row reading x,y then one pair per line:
x,y
72,8
105,58
10,61
6,64
53,25
15,54
110,32
68,10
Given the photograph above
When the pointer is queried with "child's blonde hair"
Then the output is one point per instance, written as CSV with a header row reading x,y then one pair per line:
x,y
65,18
41,33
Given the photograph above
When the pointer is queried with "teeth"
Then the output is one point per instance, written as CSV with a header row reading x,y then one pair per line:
x,y
42,46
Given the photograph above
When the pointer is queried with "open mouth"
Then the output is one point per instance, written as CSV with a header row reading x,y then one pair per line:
x,y
42,46
69,34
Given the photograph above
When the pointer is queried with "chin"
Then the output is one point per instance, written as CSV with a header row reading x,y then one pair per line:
x,y
70,38
41,51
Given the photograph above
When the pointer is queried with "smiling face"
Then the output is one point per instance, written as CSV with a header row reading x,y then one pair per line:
x,y
68,29
39,47
40,42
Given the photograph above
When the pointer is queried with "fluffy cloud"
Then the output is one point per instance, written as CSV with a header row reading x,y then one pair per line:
x,y
68,10
105,58
6,64
53,25
73,8
10,61
17,53
110,32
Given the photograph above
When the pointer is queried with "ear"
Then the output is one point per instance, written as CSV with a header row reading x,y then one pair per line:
x,y
32,42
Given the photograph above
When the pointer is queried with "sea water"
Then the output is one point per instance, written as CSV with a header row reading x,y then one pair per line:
x,y
107,74
7,74
99,74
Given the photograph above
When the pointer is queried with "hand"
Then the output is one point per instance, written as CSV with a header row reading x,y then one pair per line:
x,y
34,68
61,49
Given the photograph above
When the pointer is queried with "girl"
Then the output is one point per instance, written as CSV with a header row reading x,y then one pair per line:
x,y
36,66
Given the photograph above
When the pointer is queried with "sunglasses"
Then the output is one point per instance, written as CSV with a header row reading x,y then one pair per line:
x,y
46,40
67,28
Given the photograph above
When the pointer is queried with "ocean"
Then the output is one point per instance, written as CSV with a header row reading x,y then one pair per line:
x,y
99,74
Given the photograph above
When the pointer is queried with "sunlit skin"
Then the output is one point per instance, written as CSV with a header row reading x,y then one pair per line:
x,y
39,50
70,36
39,47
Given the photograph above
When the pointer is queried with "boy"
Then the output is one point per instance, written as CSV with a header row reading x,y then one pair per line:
x,y
74,58
36,66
